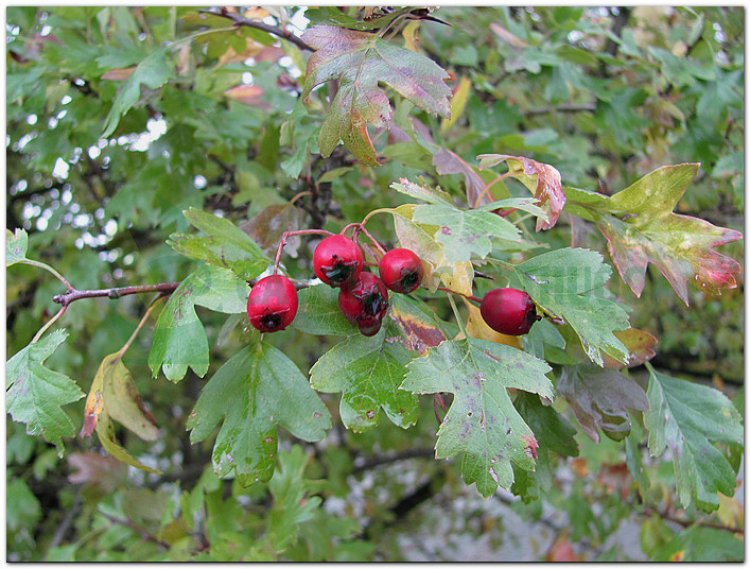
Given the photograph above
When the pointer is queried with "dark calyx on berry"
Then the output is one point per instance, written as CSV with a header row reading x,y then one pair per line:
x,y
401,270
365,303
337,260
272,304
509,311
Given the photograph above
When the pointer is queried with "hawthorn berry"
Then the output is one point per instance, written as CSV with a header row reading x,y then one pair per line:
x,y
365,303
337,260
272,304
401,270
509,311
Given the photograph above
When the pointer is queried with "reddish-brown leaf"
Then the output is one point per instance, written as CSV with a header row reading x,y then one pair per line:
x,y
541,179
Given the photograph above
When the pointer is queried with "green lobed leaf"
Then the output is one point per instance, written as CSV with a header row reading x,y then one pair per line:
x,y
687,418
360,62
569,283
153,72
179,339
291,506
368,376
225,245
319,313
256,391
16,245
35,394
641,227
482,425
465,234
601,398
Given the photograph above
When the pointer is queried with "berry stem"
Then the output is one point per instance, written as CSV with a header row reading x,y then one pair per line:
x,y
467,296
143,321
50,270
286,235
47,326
374,241
457,315
375,212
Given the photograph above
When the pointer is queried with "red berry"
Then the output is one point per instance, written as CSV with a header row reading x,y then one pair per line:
x,y
509,311
337,260
365,303
272,304
401,270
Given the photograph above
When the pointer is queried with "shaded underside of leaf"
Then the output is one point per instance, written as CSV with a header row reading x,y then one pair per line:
x,y
687,418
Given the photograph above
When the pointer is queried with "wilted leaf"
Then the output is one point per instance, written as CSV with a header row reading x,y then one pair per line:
x,y
687,418
179,338
569,283
92,468
360,62
269,225
251,95
35,395
368,376
601,398
254,392
118,74
16,245
419,328
640,227
114,396
153,72
542,180
482,425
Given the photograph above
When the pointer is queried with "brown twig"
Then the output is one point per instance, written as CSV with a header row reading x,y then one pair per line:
x,y
73,294
583,108
278,32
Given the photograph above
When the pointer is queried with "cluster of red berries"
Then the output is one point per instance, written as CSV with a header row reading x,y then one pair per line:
x,y
338,262
363,297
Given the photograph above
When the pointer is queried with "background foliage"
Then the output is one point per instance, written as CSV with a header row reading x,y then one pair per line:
x,y
120,119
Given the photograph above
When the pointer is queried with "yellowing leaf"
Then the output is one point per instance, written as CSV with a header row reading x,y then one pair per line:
x,y
114,396
476,327
641,228
458,103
